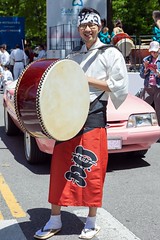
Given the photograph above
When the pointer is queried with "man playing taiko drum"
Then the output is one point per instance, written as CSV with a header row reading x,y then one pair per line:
x,y
79,165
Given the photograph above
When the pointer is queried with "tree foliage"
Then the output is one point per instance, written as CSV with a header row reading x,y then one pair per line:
x,y
34,13
136,15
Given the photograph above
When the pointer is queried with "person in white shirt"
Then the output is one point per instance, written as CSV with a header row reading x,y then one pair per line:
x,y
19,58
1,77
6,76
79,165
4,57
41,53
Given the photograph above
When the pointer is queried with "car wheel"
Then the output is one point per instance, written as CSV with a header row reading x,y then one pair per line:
x,y
32,153
10,128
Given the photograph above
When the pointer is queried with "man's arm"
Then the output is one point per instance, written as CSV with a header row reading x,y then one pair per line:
x,y
100,84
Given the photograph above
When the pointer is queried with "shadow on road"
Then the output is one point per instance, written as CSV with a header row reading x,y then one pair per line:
x,y
123,161
15,145
72,225
38,217
116,161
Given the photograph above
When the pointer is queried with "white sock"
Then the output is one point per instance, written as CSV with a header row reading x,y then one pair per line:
x,y
54,222
90,223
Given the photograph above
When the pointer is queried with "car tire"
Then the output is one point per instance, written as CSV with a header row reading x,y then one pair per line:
x,y
32,153
10,128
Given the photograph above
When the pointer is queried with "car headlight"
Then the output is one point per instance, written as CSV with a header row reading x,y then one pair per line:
x,y
142,120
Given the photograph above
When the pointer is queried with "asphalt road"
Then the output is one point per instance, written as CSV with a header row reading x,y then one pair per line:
x,y
130,211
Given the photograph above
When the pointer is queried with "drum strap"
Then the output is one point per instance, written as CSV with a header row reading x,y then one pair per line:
x,y
93,104
102,48
97,113
96,120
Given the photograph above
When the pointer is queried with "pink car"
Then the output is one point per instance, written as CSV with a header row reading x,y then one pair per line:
x,y
133,128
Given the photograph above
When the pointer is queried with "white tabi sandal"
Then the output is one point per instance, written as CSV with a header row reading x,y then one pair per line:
x,y
45,234
89,233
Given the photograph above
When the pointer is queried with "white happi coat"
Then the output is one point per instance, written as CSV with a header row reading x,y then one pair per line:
x,y
108,65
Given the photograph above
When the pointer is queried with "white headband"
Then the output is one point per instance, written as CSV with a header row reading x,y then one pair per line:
x,y
89,17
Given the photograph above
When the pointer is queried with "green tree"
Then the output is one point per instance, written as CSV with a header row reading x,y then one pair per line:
x,y
34,13
136,15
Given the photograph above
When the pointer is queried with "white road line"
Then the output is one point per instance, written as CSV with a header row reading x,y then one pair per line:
x,y
111,228
10,230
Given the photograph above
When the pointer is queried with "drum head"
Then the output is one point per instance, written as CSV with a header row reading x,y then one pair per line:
x,y
125,45
63,100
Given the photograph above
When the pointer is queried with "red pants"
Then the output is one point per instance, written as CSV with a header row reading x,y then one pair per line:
x,y
78,170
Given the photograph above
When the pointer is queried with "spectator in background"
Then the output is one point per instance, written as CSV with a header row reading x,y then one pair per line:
x,y
0,52
1,77
5,46
104,35
103,23
19,58
29,52
4,57
150,72
11,65
41,52
118,27
156,28
6,76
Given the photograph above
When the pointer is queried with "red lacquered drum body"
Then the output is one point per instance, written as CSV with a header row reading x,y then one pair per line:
x,y
119,37
124,42
45,99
